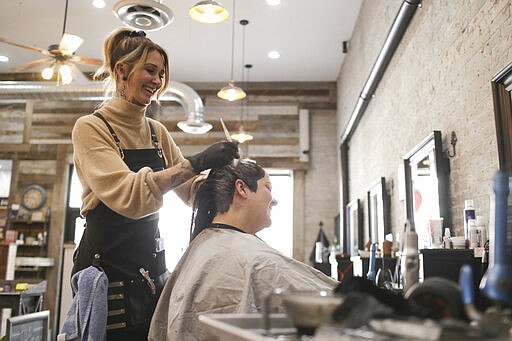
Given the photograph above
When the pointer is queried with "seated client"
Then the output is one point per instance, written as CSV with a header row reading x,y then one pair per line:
x,y
227,268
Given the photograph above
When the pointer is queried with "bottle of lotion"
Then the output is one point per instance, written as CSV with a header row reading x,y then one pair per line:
x,y
469,213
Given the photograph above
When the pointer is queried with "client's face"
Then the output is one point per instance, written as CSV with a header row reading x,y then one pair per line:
x,y
262,203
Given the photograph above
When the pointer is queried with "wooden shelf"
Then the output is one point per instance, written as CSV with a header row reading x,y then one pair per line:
x,y
31,261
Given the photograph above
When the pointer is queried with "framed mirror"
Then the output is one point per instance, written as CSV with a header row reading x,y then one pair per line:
x,y
353,238
427,185
378,225
501,94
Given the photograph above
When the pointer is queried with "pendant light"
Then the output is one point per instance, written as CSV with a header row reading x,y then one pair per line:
x,y
242,136
231,92
209,12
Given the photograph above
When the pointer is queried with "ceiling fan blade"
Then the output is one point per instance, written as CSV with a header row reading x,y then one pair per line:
x,y
70,43
78,76
87,60
33,64
45,52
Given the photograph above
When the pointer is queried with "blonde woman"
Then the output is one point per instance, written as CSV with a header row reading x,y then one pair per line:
x,y
126,162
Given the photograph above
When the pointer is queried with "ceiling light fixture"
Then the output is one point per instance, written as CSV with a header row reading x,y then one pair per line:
x,y
274,54
273,2
231,92
209,12
60,55
242,136
147,15
98,3
4,59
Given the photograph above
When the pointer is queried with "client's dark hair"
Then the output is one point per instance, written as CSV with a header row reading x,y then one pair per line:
x,y
215,195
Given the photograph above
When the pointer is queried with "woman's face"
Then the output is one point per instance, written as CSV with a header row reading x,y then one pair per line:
x,y
262,203
146,80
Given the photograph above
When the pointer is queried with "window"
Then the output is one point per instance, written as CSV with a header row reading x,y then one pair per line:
x,y
175,219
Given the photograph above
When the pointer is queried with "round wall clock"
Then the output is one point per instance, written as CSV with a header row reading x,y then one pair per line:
x,y
33,197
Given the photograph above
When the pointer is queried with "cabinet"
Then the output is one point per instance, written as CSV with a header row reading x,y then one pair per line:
x,y
32,248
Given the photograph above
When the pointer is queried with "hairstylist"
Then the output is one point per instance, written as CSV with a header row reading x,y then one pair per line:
x,y
126,162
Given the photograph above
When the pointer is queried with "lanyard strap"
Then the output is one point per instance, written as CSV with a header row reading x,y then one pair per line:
x,y
225,226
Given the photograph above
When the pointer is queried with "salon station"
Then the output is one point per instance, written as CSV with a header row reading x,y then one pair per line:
x,y
385,128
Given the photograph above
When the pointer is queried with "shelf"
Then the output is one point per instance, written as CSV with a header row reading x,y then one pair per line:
x,y
32,245
34,261
28,221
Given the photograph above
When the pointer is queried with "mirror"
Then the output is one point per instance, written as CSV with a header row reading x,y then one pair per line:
x,y
5,178
377,211
354,236
501,93
427,186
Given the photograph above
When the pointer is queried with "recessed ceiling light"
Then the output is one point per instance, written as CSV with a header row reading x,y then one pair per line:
x,y
273,2
4,59
274,54
98,3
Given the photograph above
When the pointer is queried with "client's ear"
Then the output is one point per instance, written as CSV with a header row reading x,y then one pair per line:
x,y
240,188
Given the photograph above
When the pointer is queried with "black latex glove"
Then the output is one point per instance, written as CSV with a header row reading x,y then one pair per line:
x,y
217,155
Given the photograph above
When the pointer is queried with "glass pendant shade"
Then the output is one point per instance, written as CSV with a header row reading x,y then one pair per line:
x,y
242,136
195,124
208,12
231,93
194,127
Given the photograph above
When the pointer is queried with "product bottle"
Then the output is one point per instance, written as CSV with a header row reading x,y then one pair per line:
x,y
411,258
371,266
334,262
482,230
447,239
469,213
474,237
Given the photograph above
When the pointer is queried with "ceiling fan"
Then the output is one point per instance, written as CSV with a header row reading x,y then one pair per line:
x,y
59,56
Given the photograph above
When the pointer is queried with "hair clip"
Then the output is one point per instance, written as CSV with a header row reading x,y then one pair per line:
x,y
133,34
137,34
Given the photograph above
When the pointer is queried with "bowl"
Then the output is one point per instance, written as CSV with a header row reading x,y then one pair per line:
x,y
309,309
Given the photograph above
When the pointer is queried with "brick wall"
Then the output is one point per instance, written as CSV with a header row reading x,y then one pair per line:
x,y
438,79
321,201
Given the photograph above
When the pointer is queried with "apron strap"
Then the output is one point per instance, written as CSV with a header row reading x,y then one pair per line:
x,y
112,132
154,139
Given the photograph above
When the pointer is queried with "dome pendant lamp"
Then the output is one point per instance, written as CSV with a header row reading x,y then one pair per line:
x,y
208,12
231,92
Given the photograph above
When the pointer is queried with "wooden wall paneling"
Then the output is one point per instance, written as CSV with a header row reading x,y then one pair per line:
x,y
27,122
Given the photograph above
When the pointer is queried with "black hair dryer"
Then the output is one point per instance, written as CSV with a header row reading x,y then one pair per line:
x,y
496,284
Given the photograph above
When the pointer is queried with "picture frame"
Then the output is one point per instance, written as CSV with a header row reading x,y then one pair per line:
x,y
378,211
354,240
33,326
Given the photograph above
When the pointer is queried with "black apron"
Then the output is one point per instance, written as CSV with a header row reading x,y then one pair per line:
x,y
130,252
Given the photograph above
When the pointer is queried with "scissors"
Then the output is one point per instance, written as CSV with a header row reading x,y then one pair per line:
x,y
228,137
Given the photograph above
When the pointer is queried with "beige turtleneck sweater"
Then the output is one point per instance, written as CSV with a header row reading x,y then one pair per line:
x,y
104,175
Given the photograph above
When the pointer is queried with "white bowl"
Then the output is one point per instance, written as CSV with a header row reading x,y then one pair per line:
x,y
308,309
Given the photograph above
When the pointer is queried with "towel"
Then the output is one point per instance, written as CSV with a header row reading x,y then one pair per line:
x,y
86,318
